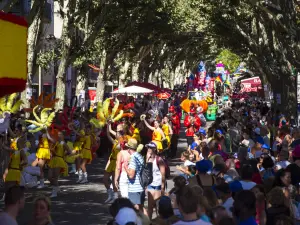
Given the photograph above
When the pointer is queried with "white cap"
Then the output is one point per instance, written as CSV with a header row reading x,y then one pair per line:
x,y
126,215
199,109
257,130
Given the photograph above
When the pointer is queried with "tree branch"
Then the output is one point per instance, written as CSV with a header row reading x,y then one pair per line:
x,y
37,6
9,6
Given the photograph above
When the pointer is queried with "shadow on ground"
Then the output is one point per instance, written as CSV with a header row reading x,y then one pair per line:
x,y
84,204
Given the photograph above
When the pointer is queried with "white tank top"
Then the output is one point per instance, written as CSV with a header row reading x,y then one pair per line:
x,y
156,174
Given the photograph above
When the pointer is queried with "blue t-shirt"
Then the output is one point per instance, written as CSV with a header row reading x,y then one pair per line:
x,y
205,218
249,221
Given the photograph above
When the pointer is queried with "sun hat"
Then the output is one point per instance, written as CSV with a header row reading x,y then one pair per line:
x,y
235,186
260,140
257,130
204,166
219,132
202,131
132,144
126,215
151,145
265,146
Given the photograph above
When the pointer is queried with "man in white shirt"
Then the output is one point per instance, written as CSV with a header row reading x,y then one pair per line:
x,y
14,203
246,177
225,195
282,160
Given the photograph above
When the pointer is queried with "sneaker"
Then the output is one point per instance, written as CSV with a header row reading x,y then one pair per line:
x,y
84,180
110,194
80,177
40,186
54,192
73,172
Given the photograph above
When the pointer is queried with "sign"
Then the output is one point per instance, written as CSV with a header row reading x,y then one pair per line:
x,y
251,85
92,95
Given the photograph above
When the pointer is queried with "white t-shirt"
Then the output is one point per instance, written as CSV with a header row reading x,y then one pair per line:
x,y
194,222
6,219
188,163
282,164
228,204
247,185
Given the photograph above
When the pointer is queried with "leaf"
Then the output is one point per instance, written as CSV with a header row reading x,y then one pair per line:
x,y
118,117
50,119
105,108
10,101
44,115
35,115
16,106
115,108
3,104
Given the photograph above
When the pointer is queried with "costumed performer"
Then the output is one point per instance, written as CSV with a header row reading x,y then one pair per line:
x,y
77,147
158,135
18,159
57,164
167,129
118,142
175,128
192,123
135,131
13,144
86,153
42,155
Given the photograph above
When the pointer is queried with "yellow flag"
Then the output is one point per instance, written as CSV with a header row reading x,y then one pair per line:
x,y
13,54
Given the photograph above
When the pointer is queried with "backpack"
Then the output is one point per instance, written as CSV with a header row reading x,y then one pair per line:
x,y
146,174
167,168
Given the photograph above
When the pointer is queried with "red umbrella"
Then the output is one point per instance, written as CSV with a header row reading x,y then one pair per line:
x,y
164,95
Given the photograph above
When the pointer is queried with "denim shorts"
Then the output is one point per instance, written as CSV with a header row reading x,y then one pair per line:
x,y
137,198
155,188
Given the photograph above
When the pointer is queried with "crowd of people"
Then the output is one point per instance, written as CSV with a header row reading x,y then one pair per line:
x,y
244,169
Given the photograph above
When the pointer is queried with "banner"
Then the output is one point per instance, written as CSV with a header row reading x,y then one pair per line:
x,y
13,54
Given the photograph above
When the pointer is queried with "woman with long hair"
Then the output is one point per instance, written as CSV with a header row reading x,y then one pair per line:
x,y
42,156
42,211
18,159
157,188
57,164
111,164
86,153
157,135
167,129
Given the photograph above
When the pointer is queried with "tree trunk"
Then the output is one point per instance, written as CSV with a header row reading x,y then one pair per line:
x,y
34,36
61,79
101,79
285,86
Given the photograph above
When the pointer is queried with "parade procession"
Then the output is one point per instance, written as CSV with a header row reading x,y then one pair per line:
x,y
149,112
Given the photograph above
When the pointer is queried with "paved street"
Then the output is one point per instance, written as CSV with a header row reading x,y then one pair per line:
x,y
82,204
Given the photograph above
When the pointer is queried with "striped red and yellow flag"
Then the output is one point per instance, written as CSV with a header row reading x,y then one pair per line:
x,y
13,54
